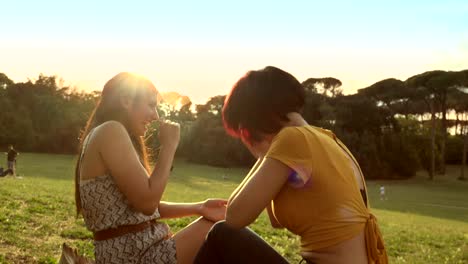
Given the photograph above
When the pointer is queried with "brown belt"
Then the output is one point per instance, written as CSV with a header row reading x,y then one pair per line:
x,y
122,230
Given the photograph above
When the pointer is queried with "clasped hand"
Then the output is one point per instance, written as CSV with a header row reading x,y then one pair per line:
x,y
213,209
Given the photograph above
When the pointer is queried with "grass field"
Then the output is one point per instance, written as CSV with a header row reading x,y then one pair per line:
x,y
422,221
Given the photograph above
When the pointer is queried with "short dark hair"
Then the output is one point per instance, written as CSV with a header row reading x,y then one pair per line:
x,y
259,101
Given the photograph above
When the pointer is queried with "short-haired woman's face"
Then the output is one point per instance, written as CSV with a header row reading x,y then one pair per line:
x,y
142,112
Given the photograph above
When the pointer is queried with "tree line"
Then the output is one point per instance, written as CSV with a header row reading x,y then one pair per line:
x,y
393,127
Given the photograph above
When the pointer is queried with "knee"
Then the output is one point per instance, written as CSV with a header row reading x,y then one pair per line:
x,y
219,227
218,230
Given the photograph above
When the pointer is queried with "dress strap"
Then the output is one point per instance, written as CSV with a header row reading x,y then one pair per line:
x,y
85,145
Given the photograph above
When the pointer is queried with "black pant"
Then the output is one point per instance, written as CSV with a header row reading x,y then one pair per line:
x,y
4,173
227,245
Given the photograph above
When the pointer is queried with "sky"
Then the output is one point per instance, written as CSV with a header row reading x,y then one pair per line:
x,y
201,48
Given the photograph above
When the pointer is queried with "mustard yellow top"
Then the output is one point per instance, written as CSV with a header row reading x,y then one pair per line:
x,y
322,202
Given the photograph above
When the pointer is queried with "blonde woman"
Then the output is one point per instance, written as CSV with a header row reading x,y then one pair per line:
x,y
117,192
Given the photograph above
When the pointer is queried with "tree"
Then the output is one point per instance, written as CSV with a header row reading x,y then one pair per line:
x,y
459,100
421,92
320,93
434,87
213,106
208,142
5,81
327,86
43,115
388,93
464,151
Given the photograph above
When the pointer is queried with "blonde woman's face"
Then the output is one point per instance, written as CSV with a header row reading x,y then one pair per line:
x,y
142,112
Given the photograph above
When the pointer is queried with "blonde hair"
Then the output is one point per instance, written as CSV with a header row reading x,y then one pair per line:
x,y
109,108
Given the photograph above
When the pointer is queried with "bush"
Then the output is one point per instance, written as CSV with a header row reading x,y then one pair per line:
x,y
387,156
211,145
454,149
401,155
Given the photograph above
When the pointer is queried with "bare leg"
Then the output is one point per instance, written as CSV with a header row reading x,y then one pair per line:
x,y
189,240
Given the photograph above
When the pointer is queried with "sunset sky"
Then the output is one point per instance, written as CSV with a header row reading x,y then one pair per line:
x,y
200,48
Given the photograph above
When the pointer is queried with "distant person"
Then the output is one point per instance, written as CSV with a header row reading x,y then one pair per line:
x,y
118,193
4,172
305,177
382,193
12,154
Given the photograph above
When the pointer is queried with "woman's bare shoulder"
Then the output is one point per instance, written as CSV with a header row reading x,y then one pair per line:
x,y
110,130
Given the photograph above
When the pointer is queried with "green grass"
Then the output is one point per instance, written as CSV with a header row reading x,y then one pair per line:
x,y
422,221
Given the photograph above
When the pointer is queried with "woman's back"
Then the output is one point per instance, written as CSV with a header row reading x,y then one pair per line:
x,y
329,212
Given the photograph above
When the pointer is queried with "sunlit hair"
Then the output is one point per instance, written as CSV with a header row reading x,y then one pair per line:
x,y
109,108
259,102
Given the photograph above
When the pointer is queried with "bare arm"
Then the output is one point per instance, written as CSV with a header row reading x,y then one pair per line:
x,y
257,193
143,191
246,179
211,209
176,210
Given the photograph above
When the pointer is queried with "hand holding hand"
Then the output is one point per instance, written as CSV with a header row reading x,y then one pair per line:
x,y
213,209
